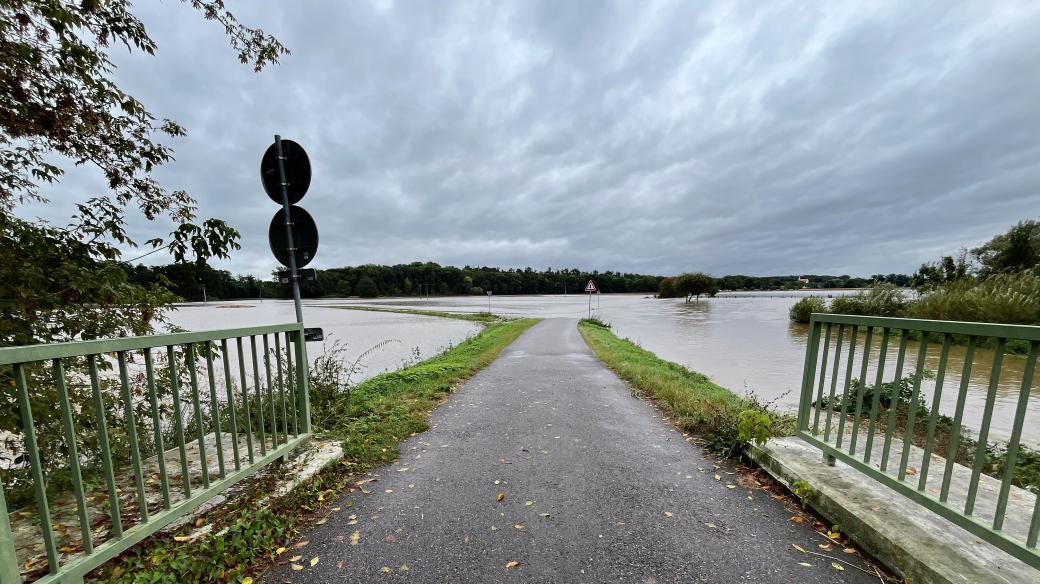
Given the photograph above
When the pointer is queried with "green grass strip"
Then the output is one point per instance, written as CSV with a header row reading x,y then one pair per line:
x,y
391,406
698,405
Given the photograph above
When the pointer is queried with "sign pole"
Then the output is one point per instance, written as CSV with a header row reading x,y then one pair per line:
x,y
591,289
293,275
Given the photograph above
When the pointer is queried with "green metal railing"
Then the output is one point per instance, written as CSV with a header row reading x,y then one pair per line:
x,y
219,437
853,429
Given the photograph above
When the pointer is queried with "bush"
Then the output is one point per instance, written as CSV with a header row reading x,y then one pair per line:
x,y
883,300
803,309
476,291
1003,298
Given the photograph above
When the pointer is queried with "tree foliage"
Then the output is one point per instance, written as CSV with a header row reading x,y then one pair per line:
x,y
1014,251
60,106
692,285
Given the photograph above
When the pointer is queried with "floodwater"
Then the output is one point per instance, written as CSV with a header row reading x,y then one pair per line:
x,y
746,342
378,341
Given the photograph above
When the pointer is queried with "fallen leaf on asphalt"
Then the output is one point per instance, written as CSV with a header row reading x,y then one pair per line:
x,y
849,550
838,566
302,543
528,503
296,567
388,491
295,558
385,570
355,538
543,515
337,509
314,561
806,564
711,525
824,546
519,526
500,497
280,551
797,519
798,547
833,534
321,521
667,513
718,478
911,471
731,486
497,481
512,564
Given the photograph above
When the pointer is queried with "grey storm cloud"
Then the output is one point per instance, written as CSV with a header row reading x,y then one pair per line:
x,y
658,137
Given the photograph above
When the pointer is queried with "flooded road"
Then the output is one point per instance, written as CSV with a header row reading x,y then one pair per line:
x,y
746,342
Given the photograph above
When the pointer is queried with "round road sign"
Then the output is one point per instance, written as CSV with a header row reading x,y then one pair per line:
x,y
297,172
305,236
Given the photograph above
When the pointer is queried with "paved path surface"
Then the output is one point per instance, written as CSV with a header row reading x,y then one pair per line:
x,y
553,426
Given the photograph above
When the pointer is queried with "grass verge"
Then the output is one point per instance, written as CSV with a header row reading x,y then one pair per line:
x,y
484,317
380,412
725,421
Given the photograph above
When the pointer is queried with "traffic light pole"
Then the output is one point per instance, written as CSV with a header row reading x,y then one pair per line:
x,y
293,275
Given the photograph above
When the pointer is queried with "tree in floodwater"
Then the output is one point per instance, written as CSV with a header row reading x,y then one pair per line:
x,y
688,286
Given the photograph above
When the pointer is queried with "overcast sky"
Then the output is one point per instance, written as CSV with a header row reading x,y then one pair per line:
x,y
656,137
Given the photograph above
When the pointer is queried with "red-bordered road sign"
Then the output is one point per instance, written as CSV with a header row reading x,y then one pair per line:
x,y
590,287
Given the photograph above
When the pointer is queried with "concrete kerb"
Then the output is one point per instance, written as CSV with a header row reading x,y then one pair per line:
x,y
908,539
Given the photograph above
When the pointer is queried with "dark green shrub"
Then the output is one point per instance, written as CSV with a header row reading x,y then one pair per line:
x,y
803,309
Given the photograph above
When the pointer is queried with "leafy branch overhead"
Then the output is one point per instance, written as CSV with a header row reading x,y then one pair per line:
x,y
59,98
60,107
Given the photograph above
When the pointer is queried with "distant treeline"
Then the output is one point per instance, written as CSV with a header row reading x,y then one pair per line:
x,y
420,278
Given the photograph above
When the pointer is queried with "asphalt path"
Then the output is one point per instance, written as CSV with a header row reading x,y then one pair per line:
x,y
546,459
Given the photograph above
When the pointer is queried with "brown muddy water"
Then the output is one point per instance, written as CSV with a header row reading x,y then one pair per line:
x,y
746,342
362,335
